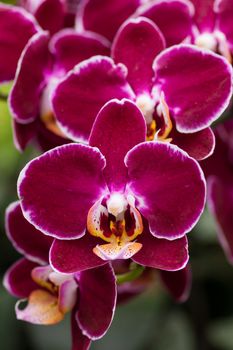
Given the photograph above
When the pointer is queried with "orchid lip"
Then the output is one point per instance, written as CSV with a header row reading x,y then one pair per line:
x,y
55,296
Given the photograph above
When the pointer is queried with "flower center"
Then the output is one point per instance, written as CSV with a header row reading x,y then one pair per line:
x,y
216,42
147,106
118,222
158,120
207,41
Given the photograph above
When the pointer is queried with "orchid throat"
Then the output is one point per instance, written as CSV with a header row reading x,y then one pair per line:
x,y
118,222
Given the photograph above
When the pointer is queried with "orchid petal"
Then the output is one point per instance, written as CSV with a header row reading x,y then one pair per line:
x,y
112,134
96,307
220,202
13,20
218,171
94,13
136,45
199,145
224,19
204,15
23,134
49,13
24,237
196,84
161,253
173,17
70,48
67,295
169,187
58,188
47,139
178,283
79,341
79,97
75,255
17,279
30,78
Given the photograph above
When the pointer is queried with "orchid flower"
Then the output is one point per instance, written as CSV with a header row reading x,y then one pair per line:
x,y
180,90
125,199
213,26
50,295
42,63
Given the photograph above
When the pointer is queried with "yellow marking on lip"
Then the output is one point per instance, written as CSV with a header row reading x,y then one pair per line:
x,y
115,250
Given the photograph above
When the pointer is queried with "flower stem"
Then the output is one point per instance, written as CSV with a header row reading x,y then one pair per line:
x,y
134,272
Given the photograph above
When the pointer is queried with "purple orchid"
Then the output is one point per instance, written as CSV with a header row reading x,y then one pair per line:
x,y
51,295
219,173
213,26
42,63
177,89
138,198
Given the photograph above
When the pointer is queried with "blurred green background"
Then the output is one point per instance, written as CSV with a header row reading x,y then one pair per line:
x,y
152,321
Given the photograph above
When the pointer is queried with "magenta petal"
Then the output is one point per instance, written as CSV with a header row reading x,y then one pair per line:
x,y
204,14
67,295
136,45
161,253
178,283
50,14
16,28
174,18
224,23
70,47
17,279
220,201
25,238
79,97
196,84
118,127
75,255
198,145
46,139
169,187
97,301
79,341
23,134
104,16
30,79
58,188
